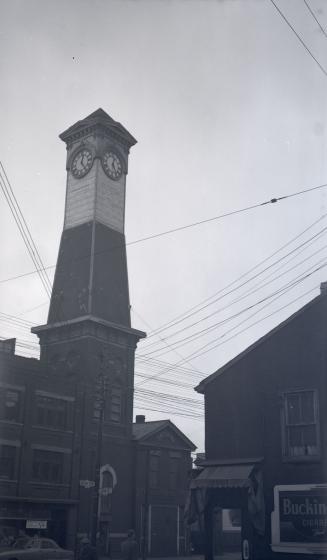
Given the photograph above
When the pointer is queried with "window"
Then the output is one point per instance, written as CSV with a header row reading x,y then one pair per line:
x,y
301,428
115,405
7,461
112,404
51,412
48,466
105,492
11,404
174,469
154,469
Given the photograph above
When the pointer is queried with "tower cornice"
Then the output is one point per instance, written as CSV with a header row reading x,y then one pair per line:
x,y
99,121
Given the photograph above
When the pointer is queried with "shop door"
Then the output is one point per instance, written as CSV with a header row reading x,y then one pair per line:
x,y
163,530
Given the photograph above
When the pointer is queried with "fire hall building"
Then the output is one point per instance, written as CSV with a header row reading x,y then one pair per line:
x,y
266,443
70,456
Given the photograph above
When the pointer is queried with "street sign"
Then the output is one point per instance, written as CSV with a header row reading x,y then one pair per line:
x,y
105,491
87,483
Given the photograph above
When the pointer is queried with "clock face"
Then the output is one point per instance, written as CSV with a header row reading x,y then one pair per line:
x,y
112,165
81,163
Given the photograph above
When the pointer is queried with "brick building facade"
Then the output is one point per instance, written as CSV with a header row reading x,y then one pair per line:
x,y
67,451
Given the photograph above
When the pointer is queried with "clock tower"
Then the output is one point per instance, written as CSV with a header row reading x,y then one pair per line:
x,y
88,331
90,290
88,338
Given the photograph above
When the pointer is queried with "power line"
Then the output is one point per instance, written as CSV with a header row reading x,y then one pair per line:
x,y
257,322
193,310
195,354
315,18
250,292
298,36
174,230
24,229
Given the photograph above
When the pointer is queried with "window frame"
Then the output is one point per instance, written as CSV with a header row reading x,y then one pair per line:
x,y
51,410
19,407
286,424
12,469
52,466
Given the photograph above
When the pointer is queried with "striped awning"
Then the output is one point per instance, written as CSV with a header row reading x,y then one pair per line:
x,y
224,476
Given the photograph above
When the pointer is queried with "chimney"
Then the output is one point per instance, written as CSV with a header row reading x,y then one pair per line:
x,y
140,419
8,345
323,288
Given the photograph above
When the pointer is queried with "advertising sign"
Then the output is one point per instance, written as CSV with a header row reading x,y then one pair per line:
x,y
36,524
299,519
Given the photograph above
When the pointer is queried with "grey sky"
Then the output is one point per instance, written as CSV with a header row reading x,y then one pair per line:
x,y
228,109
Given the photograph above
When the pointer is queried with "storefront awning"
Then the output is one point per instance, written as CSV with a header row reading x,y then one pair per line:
x,y
224,476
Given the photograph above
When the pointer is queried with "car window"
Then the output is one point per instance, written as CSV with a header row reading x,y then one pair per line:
x,y
48,544
33,543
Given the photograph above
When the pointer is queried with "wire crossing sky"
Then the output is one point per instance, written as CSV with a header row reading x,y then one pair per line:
x,y
228,102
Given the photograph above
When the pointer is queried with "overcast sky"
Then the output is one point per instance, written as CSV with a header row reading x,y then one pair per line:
x,y
229,110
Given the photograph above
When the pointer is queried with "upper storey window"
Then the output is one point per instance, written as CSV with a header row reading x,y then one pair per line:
x,y
301,425
11,404
52,412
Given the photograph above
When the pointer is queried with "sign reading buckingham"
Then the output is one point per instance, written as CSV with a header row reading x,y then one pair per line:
x,y
300,516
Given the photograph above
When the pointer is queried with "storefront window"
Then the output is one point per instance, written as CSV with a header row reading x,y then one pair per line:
x,y
301,427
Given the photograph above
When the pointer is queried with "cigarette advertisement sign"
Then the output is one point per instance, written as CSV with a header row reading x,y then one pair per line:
x,y
299,519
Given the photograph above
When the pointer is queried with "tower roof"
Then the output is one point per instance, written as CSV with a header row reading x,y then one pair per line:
x,y
101,120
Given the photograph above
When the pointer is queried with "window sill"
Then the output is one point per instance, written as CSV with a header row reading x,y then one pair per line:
x,y
302,459
11,422
7,479
46,483
52,429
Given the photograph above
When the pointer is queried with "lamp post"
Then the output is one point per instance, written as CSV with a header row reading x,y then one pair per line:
x,y
101,389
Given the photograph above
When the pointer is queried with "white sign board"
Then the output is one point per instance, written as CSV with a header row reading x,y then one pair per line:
x,y
36,524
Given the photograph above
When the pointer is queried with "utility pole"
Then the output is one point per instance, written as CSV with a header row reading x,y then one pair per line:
x,y
101,399
146,507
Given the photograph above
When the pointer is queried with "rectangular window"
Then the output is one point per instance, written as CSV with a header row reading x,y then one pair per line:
x,y
174,470
11,405
51,412
115,405
48,466
7,461
301,424
154,469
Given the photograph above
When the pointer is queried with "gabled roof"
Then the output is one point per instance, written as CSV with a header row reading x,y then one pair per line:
x,y
144,430
98,118
203,384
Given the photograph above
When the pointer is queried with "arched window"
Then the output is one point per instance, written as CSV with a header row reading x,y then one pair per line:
x,y
107,483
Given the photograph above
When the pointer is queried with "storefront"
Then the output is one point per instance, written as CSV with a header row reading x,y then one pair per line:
x,y
50,520
236,487
299,519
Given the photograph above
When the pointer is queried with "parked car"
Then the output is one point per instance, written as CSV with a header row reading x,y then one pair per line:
x,y
36,549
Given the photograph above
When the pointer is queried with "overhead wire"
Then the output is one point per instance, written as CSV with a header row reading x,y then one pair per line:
x,y
177,229
299,37
194,310
204,331
196,354
24,229
315,18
